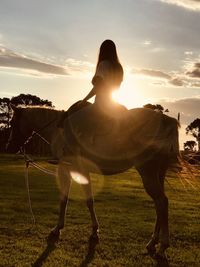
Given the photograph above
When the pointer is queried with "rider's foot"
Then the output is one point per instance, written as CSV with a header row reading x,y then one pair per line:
x,y
53,161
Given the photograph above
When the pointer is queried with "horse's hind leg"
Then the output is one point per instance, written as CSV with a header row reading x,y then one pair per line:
x,y
64,183
164,231
154,186
155,236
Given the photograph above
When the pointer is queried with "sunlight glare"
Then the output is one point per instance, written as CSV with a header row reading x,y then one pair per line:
x,y
129,95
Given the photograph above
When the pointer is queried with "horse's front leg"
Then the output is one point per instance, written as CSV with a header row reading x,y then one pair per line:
x,y
162,213
151,245
87,187
64,183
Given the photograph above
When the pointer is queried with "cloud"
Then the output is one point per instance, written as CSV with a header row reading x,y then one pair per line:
x,y
189,77
9,59
176,82
147,43
172,80
154,73
188,53
195,84
189,108
78,66
188,4
29,66
195,72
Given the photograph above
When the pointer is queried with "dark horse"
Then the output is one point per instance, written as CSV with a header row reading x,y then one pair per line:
x,y
106,144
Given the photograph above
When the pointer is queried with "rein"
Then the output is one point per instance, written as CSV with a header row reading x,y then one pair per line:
x,y
26,142
29,161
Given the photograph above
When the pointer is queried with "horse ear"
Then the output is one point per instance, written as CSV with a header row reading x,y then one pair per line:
x,y
13,107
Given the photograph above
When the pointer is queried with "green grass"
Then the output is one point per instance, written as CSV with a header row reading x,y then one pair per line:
x,y
126,215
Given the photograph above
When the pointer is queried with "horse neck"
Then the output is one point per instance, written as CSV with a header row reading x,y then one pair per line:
x,y
43,120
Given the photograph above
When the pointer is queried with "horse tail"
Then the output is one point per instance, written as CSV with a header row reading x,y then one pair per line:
x,y
172,146
175,148
178,164
176,161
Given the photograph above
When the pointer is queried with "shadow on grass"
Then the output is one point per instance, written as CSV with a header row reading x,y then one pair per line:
x,y
51,247
91,251
48,250
159,262
39,262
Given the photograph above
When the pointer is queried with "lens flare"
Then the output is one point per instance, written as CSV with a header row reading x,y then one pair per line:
x,y
79,178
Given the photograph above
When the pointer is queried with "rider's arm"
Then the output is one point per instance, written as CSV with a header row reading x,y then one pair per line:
x,y
90,95
97,82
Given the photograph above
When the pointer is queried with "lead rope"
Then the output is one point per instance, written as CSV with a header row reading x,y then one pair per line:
x,y
28,191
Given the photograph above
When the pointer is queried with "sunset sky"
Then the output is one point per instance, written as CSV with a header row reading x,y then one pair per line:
x,y
49,48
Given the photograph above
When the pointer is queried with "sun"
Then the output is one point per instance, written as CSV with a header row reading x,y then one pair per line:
x,y
128,96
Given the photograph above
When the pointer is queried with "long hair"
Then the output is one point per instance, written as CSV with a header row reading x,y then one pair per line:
x,y
108,52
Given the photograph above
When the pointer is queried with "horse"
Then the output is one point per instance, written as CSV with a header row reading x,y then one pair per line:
x,y
94,142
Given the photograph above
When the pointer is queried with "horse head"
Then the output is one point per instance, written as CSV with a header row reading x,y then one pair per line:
x,y
19,131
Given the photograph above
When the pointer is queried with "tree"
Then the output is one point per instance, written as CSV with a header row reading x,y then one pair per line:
x,y
5,112
194,129
189,145
30,100
156,107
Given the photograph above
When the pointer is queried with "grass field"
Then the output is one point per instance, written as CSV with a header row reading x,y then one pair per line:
x,y
126,215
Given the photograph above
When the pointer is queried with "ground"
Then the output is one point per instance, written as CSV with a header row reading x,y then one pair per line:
x,y
126,216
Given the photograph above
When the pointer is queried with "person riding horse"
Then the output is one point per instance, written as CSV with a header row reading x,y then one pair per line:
x,y
107,79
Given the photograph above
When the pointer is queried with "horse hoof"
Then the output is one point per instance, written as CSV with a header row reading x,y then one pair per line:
x,y
53,237
151,249
94,237
161,256
151,252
